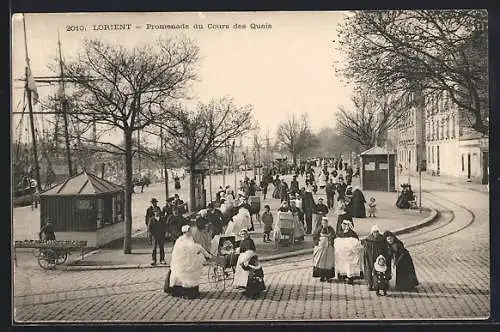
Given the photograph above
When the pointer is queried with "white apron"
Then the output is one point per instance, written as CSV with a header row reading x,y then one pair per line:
x,y
348,256
240,275
323,255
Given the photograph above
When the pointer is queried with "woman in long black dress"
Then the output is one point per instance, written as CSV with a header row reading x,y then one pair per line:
x,y
406,278
357,204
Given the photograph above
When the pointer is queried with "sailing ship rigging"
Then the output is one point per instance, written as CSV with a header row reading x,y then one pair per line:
x,y
44,145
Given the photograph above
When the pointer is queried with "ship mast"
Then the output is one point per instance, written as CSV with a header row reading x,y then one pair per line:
x,y
64,109
30,109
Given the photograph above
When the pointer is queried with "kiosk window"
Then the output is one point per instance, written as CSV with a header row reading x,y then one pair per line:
x,y
83,204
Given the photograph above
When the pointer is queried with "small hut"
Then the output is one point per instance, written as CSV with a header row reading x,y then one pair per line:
x,y
86,208
378,169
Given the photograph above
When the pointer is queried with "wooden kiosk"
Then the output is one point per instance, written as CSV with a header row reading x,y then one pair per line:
x,y
378,169
85,208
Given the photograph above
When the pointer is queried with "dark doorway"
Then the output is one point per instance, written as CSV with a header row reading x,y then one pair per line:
x,y
485,168
468,166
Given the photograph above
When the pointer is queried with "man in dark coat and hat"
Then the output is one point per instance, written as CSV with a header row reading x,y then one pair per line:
x,y
150,213
157,227
309,207
341,187
374,245
357,204
214,219
47,231
294,186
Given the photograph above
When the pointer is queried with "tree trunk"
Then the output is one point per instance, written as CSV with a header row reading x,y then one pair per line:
x,y
294,158
192,195
127,240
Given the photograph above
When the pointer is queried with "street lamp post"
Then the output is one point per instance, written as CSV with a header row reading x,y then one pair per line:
x,y
234,164
210,178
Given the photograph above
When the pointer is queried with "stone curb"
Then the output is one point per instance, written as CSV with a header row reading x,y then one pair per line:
x,y
427,221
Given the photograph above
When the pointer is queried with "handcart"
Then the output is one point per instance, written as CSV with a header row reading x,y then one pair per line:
x,y
284,227
222,264
51,253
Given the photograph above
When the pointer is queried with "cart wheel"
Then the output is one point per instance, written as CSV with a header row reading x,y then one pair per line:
x,y
47,259
62,256
215,277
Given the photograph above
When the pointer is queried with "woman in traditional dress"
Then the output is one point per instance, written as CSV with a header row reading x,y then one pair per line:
x,y
277,187
186,266
402,264
247,250
347,253
357,204
342,214
247,242
239,222
374,245
323,255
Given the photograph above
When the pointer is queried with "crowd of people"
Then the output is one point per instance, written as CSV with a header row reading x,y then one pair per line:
x,y
338,252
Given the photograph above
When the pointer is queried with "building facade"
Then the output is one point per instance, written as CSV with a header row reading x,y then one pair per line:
x,y
409,138
441,133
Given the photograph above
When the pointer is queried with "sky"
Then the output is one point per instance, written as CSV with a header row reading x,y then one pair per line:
x,y
283,69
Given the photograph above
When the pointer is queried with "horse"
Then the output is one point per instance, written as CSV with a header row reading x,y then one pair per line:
x,y
142,182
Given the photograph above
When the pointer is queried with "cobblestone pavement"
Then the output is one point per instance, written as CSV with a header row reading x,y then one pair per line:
x,y
451,258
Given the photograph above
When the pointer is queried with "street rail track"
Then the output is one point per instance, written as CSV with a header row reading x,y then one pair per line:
x,y
467,225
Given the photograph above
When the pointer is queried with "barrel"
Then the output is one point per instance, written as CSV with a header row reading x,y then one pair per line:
x,y
254,204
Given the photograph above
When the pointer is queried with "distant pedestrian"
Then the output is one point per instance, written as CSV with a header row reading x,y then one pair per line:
x,y
372,207
263,186
284,191
330,193
267,220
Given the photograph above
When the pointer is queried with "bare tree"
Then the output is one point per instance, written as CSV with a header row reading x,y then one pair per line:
x,y
436,50
295,135
367,123
333,143
196,135
128,91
